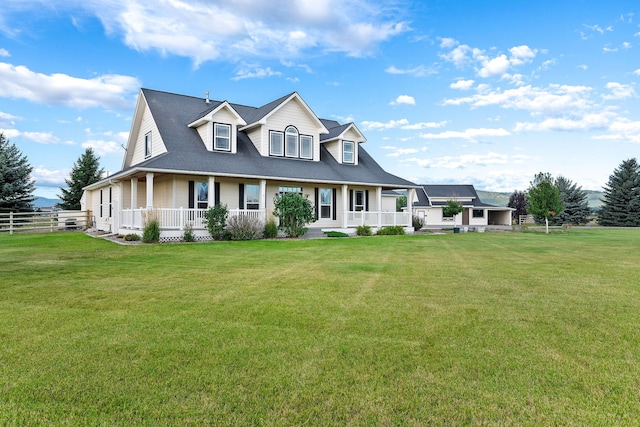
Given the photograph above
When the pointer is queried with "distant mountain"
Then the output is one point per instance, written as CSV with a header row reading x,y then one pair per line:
x,y
502,199
43,202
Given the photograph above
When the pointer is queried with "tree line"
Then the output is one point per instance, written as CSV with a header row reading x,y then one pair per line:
x,y
559,201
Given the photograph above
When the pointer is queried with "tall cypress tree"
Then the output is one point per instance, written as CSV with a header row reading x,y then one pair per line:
x,y
86,170
574,200
16,185
622,197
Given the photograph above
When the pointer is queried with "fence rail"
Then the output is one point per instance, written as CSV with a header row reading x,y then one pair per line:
x,y
177,219
24,222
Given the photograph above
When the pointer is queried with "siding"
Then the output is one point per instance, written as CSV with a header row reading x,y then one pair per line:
x,y
157,145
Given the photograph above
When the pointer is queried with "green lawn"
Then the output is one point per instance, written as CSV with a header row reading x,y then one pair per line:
x,y
464,329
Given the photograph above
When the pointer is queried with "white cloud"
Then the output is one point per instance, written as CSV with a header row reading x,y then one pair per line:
x,y
585,122
204,30
637,72
470,134
404,99
462,84
38,137
522,54
619,91
465,160
108,91
495,67
103,148
622,129
4,52
257,73
50,178
424,125
419,71
402,124
403,152
447,42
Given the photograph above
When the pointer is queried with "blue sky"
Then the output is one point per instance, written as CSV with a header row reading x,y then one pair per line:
x,y
471,92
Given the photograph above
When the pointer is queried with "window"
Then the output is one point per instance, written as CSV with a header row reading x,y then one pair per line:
x,y
282,190
347,151
147,145
358,200
291,142
478,213
446,218
326,196
276,143
252,196
306,147
202,195
221,137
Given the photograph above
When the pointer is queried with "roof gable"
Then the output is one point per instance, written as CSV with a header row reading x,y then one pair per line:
x,y
208,114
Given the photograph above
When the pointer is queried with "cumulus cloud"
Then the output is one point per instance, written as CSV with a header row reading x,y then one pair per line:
x,y
419,71
401,124
587,121
462,84
619,91
256,73
622,129
38,137
403,99
465,160
471,134
108,91
102,147
4,52
45,177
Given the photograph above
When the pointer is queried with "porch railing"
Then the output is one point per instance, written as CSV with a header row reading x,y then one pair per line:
x,y
378,219
177,219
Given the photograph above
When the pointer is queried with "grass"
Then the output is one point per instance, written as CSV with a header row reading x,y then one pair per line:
x,y
475,328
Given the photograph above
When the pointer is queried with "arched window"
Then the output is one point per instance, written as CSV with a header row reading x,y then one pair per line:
x,y
291,142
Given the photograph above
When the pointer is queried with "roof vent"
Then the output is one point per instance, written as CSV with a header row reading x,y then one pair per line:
x,y
206,97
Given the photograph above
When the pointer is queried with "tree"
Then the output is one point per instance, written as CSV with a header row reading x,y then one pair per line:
x,y
621,200
543,198
16,185
86,170
294,212
451,209
574,200
518,201
401,202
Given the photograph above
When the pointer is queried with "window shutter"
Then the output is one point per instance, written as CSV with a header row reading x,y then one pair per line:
x,y
241,196
192,194
366,200
110,202
351,200
316,203
335,208
216,190
100,203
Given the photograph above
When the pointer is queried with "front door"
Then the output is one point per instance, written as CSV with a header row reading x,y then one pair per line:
x,y
465,217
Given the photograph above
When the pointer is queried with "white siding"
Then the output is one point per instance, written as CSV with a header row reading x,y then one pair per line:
x,y
294,114
157,145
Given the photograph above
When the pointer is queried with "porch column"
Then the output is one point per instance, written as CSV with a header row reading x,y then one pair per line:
x,y
345,206
263,196
134,193
379,204
211,196
149,189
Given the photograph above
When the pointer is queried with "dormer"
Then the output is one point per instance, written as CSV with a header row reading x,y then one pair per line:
x,y
343,142
286,128
218,128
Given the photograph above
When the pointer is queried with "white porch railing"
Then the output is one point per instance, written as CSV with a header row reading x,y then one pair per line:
x,y
177,219
378,219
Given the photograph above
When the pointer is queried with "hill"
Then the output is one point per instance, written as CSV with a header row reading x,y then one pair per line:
x,y
502,199
43,202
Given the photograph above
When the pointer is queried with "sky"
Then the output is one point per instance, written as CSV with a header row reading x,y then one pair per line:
x,y
487,93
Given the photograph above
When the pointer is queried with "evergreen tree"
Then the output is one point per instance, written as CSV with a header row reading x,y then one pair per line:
x,y
16,185
574,199
86,170
518,201
621,200
543,198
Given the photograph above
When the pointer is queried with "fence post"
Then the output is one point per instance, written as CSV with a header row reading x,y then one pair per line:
x,y
11,222
181,222
51,223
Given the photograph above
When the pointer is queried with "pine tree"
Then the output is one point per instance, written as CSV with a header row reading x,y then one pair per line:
x,y
543,198
622,197
574,199
16,185
518,201
86,170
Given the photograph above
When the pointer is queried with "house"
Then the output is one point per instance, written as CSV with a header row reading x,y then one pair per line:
x,y
185,154
430,199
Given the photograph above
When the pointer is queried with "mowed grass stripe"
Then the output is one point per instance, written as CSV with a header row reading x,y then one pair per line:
x,y
514,328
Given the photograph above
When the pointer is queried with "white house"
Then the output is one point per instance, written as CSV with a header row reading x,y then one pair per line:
x,y
185,154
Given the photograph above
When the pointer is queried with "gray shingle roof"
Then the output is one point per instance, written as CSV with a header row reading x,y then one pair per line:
x,y
186,152
450,192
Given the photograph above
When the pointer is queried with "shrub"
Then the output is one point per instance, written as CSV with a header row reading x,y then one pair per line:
x,y
151,230
363,230
417,222
188,235
336,234
294,212
132,237
243,227
391,231
270,229
216,218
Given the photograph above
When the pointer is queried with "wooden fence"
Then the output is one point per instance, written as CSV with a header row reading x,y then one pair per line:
x,y
24,222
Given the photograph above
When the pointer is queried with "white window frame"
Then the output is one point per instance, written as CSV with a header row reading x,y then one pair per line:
x,y
283,189
147,145
272,139
291,142
216,137
346,152
329,205
359,207
250,204
306,141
